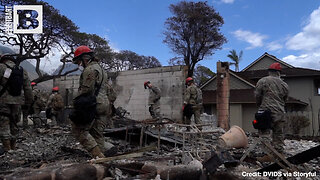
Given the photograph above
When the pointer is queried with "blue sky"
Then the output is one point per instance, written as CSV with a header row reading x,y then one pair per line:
x,y
287,29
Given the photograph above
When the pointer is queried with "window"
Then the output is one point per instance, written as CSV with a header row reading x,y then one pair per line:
x,y
317,87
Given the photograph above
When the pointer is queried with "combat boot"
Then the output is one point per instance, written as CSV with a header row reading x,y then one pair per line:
x,y
96,152
13,144
6,145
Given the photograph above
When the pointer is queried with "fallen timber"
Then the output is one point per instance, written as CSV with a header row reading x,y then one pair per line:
x,y
300,158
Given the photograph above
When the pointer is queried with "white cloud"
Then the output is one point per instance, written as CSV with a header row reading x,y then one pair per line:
x,y
254,39
309,38
227,1
274,46
310,60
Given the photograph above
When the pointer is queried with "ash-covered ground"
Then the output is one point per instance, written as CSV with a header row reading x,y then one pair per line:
x,y
41,147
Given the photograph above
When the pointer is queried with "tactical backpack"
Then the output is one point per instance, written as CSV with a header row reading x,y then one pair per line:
x,y
199,96
263,120
57,102
15,82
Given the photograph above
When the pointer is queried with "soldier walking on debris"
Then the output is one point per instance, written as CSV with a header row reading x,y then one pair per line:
x,y
271,94
37,105
192,102
13,79
54,106
154,100
87,128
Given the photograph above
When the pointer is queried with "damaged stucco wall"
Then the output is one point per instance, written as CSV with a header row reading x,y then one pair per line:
x,y
131,94
134,98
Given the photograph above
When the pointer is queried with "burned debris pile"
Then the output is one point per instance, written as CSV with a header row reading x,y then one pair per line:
x,y
146,150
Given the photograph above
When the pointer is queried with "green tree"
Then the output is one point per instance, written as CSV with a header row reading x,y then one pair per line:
x,y
193,32
235,58
202,74
128,60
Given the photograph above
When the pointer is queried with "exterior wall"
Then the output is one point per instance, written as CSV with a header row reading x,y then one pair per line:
x,y
248,111
134,98
304,89
235,115
131,94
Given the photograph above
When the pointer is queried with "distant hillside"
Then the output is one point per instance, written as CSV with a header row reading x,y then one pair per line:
x,y
67,68
47,85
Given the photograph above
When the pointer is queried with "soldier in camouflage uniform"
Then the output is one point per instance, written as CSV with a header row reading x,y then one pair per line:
x,y
91,135
112,96
55,109
10,105
154,100
37,105
191,95
271,94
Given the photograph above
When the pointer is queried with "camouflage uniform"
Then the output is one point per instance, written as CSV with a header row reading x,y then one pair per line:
x,y
191,95
154,102
112,96
10,106
91,135
55,114
271,93
37,106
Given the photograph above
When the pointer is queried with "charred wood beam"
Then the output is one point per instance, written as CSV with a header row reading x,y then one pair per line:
x,y
300,158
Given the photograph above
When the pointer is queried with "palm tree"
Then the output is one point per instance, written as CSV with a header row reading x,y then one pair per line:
x,y
235,58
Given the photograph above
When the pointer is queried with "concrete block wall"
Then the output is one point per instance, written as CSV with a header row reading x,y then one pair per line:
x,y
134,98
131,94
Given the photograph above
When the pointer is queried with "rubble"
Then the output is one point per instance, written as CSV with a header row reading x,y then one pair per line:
x,y
180,155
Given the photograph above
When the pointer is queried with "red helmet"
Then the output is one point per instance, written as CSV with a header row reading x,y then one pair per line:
x,y
189,79
81,50
145,84
275,66
55,88
33,83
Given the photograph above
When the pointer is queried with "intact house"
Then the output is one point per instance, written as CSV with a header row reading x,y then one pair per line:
x,y
304,93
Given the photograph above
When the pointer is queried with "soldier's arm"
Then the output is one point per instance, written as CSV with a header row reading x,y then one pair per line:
x,y
27,89
259,93
90,77
49,103
187,96
286,92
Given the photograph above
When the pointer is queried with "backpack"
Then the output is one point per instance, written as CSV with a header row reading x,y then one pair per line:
x,y
199,96
15,81
57,102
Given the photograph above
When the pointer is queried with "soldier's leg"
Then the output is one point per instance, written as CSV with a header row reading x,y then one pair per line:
x,y
151,111
14,130
81,133
25,117
277,132
97,132
157,114
36,118
5,132
197,118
